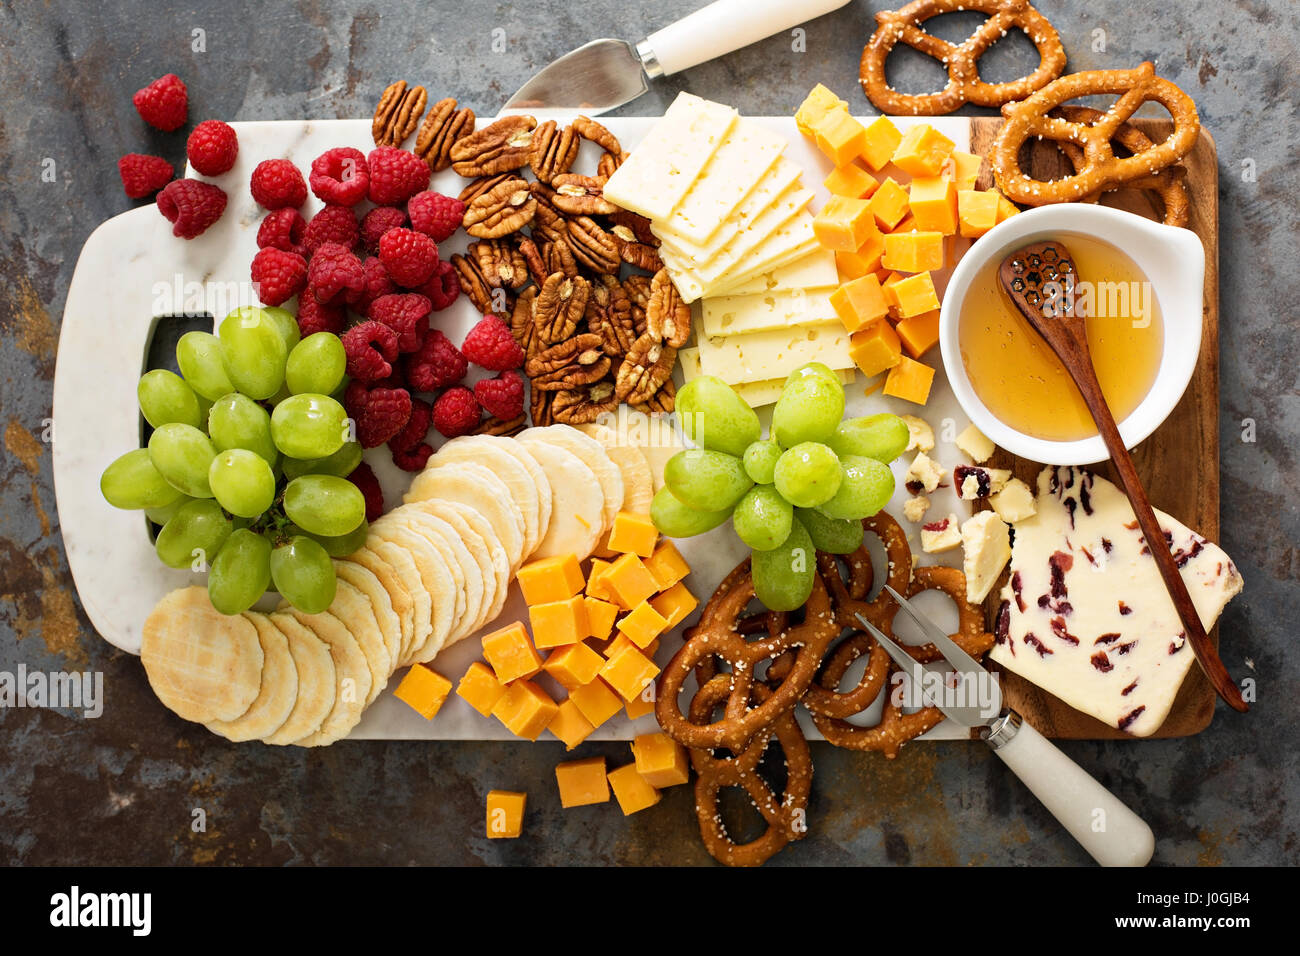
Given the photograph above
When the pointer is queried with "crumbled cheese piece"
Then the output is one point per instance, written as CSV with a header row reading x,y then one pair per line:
x,y
986,547
914,509
976,444
1014,502
973,482
920,434
923,473
941,535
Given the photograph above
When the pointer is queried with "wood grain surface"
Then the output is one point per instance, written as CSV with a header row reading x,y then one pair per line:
x,y
1178,463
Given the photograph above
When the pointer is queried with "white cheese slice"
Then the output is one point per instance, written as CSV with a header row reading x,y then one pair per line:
x,y
1085,614
986,547
941,535
813,271
738,165
666,163
762,356
795,240
755,394
762,312
779,178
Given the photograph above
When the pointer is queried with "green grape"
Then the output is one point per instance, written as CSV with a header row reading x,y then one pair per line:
x,y
810,407
199,355
242,482
341,546
808,474
883,437
783,577
160,516
324,504
236,421
706,480
303,574
760,461
253,351
164,397
183,454
316,364
284,321
676,520
194,535
241,572
762,519
830,534
867,487
132,481
715,417
309,426
342,463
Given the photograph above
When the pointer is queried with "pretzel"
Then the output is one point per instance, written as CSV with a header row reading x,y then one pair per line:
x,y
962,60
1102,169
1169,184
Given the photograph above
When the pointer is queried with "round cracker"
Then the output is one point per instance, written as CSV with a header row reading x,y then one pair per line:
x,y
638,483
655,435
497,569
386,619
488,451
202,664
351,611
576,503
593,456
512,447
478,487
457,554
437,585
317,682
279,692
398,585
352,678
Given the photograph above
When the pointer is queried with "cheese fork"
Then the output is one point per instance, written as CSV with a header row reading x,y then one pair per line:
x,y
1103,825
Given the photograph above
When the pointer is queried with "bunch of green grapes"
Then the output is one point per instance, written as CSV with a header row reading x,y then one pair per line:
x,y
805,488
246,469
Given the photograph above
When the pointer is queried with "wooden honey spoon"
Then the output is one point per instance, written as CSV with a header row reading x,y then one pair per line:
x,y
1040,278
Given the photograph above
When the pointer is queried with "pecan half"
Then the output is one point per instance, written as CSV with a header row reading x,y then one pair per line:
x,y
522,324
533,258
499,148
638,290
634,253
609,313
578,406
581,195
443,127
503,209
539,407
496,426
608,164
472,282
398,113
560,306
501,262
664,400
549,225
638,225
589,129
668,318
569,364
592,246
648,365
558,257
554,150
482,185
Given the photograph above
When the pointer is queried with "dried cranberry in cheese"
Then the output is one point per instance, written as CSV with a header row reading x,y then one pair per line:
x,y
974,482
924,474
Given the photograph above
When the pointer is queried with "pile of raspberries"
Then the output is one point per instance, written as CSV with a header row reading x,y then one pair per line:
x,y
375,280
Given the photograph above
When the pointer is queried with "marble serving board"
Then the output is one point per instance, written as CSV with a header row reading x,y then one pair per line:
x,y
132,271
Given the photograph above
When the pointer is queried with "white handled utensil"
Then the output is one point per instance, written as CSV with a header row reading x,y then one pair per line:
x,y
604,74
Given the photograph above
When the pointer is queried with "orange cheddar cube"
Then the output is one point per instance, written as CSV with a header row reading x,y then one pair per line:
x,y
840,136
633,533
852,181
844,224
551,579
915,295
963,169
889,204
582,782
913,251
628,581
855,265
859,302
675,604
907,225
595,584
424,690
667,566
977,212
1006,208
881,140
627,670
814,108
511,653
631,790
643,704
643,624
525,709
600,617
569,725
596,701
573,665
559,622
621,641
923,151
505,814
919,333
660,760
875,348
910,380
480,688
933,201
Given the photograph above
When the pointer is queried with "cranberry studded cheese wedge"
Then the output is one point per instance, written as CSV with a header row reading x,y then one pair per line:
x,y
1085,614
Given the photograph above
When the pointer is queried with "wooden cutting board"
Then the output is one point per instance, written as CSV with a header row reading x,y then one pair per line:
x,y
1178,463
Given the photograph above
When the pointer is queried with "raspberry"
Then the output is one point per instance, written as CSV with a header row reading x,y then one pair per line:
x,y
191,206
395,175
340,176
371,348
212,147
417,426
278,275
413,459
276,183
435,215
405,315
443,287
282,229
377,222
334,273
456,412
164,103
436,364
490,345
380,413
502,396
143,175
363,476
409,256
314,317
377,285
332,224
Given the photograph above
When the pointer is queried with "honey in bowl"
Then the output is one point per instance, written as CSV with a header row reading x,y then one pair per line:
x,y
1019,378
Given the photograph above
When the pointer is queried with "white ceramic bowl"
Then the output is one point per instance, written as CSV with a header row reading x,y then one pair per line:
x,y
1172,259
